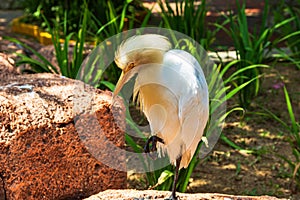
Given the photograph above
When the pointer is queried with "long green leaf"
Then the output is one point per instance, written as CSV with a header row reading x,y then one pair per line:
x,y
237,89
108,84
239,71
289,36
46,66
35,64
133,144
295,128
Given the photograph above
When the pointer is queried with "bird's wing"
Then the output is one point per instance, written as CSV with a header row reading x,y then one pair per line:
x,y
191,85
193,107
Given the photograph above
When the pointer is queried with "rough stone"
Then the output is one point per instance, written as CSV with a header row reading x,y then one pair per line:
x,y
2,189
162,195
51,128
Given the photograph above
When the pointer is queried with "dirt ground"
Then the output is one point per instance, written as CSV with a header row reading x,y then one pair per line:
x,y
229,171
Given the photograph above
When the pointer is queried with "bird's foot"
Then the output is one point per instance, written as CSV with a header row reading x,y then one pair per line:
x,y
150,145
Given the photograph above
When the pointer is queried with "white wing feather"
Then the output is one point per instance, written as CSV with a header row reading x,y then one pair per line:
x,y
193,100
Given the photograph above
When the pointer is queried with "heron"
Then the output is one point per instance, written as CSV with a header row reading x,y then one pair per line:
x,y
172,92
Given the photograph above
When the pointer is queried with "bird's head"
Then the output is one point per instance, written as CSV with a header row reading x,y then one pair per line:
x,y
137,51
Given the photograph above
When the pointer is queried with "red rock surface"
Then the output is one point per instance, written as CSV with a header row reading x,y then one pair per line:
x,y
162,195
2,191
41,153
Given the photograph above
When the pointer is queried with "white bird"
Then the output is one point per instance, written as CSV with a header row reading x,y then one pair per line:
x,y
172,92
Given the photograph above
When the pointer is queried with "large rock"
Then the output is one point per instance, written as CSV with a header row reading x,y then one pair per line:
x,y
162,195
49,125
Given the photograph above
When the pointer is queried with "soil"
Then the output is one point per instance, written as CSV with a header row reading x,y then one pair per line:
x,y
229,171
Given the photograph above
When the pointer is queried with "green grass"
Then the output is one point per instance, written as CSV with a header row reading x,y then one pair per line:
x,y
68,67
289,10
193,16
251,48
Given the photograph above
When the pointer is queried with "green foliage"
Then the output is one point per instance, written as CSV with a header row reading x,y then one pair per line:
x,y
116,20
62,40
38,66
55,11
67,67
251,48
188,18
115,25
289,10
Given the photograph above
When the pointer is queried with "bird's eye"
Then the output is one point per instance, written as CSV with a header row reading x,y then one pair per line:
x,y
129,67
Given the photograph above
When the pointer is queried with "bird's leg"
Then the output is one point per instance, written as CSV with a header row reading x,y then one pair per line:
x,y
173,197
152,141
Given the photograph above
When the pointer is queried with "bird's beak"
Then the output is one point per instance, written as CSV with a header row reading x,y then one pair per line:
x,y
124,78
120,84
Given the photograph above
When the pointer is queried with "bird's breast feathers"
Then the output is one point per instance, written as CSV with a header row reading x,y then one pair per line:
x,y
181,75
177,88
